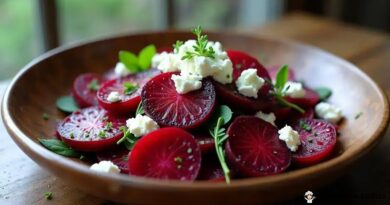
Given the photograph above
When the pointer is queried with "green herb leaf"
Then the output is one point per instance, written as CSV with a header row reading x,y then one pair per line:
x,y
128,140
48,195
129,88
59,147
219,135
324,93
286,103
201,47
281,78
145,56
93,85
140,110
129,60
222,111
304,125
177,46
67,104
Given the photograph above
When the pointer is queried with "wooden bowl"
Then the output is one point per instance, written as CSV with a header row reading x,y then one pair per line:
x,y
35,89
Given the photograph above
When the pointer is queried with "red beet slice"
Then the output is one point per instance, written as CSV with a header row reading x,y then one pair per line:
x,y
87,129
83,94
119,156
318,140
254,149
205,141
167,153
310,99
128,102
211,169
169,108
296,116
273,71
229,94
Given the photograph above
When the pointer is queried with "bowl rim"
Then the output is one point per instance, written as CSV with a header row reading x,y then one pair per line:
x,y
43,156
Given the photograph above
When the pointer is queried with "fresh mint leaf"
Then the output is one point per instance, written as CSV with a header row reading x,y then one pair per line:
x,y
222,111
93,85
67,104
129,60
323,92
145,56
128,140
281,78
58,147
129,88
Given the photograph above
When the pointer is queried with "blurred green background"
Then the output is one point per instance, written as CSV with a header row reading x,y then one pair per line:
x,y
21,40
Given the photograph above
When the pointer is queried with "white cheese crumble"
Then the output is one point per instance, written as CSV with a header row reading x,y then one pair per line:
x,y
328,112
121,70
105,166
290,136
270,117
165,62
219,68
185,83
114,96
249,83
294,89
141,125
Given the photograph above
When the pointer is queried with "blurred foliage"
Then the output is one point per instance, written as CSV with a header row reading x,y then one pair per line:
x,y
80,20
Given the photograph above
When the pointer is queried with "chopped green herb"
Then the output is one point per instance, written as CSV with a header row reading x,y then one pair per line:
x,y
304,125
108,126
278,89
82,157
102,134
58,147
177,45
93,85
49,195
71,135
200,48
323,92
129,88
178,160
45,116
357,116
219,135
67,104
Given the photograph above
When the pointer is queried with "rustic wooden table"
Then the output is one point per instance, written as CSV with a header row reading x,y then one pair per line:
x,y
24,182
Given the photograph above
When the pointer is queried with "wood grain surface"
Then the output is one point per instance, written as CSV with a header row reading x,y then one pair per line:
x,y
24,182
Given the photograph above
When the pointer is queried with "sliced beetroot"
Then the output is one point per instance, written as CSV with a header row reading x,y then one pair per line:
x,y
167,153
310,99
119,156
254,149
318,140
296,116
210,169
273,71
205,141
128,102
167,107
83,92
90,129
229,94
